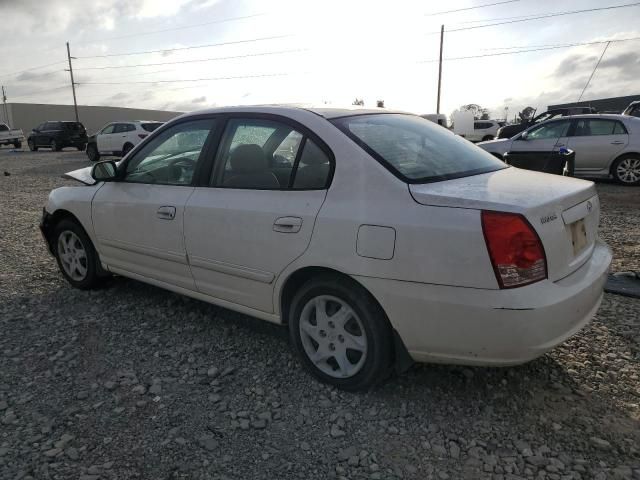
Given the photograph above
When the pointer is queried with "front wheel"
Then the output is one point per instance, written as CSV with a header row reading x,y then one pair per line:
x,y
486,138
341,333
54,146
76,256
126,149
32,145
626,170
81,148
17,144
92,152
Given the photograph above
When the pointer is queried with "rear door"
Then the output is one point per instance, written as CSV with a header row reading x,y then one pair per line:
x,y
536,150
138,220
597,142
256,214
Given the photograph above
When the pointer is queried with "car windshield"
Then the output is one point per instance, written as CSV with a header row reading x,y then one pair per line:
x,y
150,127
416,150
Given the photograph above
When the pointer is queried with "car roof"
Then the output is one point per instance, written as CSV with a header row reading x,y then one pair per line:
x,y
328,113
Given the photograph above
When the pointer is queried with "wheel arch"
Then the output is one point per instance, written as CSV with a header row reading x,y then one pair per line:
x,y
401,358
622,155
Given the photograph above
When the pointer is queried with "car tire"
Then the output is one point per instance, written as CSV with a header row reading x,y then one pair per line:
x,y
17,144
32,145
54,146
486,138
75,254
362,324
626,170
92,152
126,149
82,148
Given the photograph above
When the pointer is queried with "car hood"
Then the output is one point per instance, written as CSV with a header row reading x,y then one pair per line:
x,y
509,189
82,175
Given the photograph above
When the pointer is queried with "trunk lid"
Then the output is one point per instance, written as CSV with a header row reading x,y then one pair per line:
x,y
565,212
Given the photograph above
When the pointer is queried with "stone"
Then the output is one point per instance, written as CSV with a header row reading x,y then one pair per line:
x,y
336,432
208,442
139,389
600,443
347,453
72,453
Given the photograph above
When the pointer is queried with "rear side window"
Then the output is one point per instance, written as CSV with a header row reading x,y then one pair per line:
x,y
416,150
74,126
150,127
595,126
52,126
3,127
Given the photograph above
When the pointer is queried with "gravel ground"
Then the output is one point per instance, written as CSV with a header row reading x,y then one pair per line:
x,y
133,382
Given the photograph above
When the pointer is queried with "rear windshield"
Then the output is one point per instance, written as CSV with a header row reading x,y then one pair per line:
x,y
150,127
417,150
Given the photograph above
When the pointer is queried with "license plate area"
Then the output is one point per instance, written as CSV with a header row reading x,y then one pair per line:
x,y
578,236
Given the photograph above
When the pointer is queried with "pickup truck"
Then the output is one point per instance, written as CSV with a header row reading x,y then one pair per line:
x,y
8,136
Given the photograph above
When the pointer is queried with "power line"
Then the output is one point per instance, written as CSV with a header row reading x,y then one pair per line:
x,y
552,47
194,79
280,52
470,8
548,15
594,71
29,69
183,27
236,42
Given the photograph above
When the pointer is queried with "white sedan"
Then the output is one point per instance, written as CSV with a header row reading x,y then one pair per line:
x,y
606,145
378,238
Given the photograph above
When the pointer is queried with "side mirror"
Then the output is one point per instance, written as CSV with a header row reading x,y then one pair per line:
x,y
524,136
104,171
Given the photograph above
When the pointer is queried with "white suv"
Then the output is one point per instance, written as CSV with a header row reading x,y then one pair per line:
x,y
483,130
118,138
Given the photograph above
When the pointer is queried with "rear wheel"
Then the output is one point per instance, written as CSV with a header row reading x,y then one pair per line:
x,y
82,147
92,152
126,149
76,256
17,144
626,170
341,333
32,145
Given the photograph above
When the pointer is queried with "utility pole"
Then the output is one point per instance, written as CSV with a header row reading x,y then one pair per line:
x,y
4,102
73,84
440,68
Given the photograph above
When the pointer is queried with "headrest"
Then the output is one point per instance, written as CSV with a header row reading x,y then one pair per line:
x,y
248,158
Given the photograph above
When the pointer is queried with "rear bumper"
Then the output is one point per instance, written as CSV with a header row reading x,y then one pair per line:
x,y
492,327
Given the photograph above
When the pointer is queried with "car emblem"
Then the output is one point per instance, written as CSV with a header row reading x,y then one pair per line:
x,y
589,206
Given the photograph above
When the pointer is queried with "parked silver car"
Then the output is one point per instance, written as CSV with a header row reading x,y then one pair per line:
x,y
605,145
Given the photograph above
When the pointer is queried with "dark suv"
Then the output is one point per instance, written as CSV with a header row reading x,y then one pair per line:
x,y
509,131
633,109
58,135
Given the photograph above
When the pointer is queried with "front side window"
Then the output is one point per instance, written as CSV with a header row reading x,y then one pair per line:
x,y
416,150
549,130
107,130
123,128
171,157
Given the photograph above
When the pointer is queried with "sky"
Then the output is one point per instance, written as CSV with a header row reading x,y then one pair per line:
x,y
316,52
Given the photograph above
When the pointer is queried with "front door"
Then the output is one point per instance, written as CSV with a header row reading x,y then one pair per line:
x,y
105,139
538,149
138,220
258,212
597,142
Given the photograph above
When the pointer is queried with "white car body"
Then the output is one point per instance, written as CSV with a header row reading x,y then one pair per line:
x,y
595,154
417,248
482,130
10,137
117,138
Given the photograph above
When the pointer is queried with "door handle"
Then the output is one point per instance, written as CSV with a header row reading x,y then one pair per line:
x,y
287,225
617,142
166,213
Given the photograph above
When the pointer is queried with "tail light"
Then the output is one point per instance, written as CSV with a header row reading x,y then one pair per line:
x,y
143,135
515,249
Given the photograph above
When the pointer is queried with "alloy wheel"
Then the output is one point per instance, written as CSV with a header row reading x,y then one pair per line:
x,y
333,336
628,170
73,255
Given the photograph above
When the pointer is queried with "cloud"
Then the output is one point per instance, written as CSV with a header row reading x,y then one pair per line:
x,y
199,99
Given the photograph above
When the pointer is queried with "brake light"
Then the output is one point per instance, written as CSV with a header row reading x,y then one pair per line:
x,y
143,135
516,252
